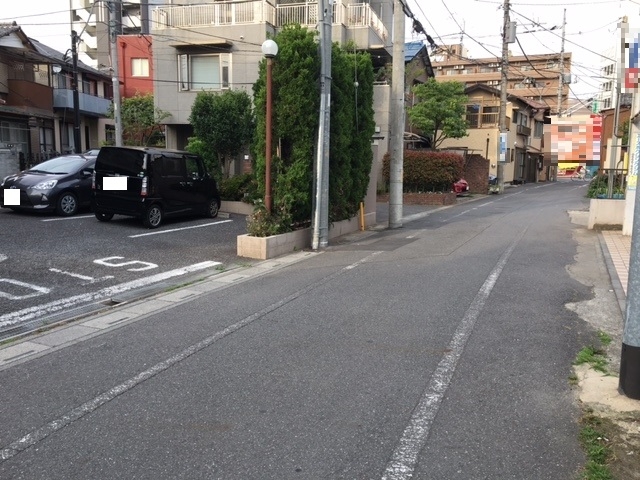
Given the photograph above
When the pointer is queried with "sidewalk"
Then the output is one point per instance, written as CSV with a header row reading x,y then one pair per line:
x,y
619,247
616,249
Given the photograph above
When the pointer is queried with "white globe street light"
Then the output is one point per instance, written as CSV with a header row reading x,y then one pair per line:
x,y
269,50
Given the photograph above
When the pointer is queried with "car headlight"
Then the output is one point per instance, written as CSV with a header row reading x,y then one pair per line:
x,y
48,185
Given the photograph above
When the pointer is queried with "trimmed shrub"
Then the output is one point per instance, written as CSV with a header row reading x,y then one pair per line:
x,y
427,171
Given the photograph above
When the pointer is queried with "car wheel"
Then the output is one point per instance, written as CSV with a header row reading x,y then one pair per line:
x,y
67,204
104,217
213,207
153,217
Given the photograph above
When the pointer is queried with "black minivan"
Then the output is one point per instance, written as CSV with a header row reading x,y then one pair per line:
x,y
151,183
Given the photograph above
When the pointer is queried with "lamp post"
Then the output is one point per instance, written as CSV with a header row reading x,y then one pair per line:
x,y
269,50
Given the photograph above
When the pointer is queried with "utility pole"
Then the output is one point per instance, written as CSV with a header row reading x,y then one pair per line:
x,y
508,36
77,144
114,7
320,238
396,124
561,78
615,138
629,384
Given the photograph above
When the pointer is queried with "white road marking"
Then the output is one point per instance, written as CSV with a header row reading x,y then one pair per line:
x,y
67,218
74,275
29,313
105,262
3,257
178,229
39,434
405,456
37,290
90,280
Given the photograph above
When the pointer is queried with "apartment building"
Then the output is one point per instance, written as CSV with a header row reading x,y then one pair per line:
x,y
37,108
214,46
534,77
91,19
525,160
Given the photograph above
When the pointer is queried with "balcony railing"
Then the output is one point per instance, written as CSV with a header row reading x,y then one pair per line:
x,y
259,11
218,13
523,130
482,120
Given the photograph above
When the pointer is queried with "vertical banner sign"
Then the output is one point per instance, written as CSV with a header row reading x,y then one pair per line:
x,y
632,63
503,147
632,178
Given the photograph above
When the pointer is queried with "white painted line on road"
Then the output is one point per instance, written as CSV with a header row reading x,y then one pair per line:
x,y
29,313
39,434
36,289
178,229
74,275
3,257
405,456
67,218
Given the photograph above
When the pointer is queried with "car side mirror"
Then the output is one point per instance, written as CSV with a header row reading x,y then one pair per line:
x,y
86,173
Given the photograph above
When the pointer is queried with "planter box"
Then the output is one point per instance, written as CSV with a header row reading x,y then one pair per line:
x,y
240,208
606,212
263,248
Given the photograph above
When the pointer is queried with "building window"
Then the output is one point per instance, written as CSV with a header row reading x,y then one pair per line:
x,y
203,72
139,67
538,128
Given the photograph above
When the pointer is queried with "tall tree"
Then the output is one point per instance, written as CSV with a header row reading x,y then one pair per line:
x,y
140,120
439,113
224,122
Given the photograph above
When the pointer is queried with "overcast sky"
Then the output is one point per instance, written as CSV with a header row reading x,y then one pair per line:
x,y
590,27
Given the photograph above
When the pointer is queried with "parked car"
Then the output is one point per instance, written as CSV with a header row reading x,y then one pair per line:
x,y
62,184
151,183
461,186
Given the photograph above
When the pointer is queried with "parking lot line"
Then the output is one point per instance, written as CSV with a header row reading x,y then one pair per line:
x,y
67,218
178,229
19,316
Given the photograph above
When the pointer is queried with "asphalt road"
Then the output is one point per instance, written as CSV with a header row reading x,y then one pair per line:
x,y
51,266
440,350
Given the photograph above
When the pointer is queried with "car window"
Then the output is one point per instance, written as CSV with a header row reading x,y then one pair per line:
x,y
60,165
194,167
121,161
173,167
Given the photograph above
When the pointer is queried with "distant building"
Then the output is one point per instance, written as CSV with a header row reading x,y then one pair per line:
x,y
534,77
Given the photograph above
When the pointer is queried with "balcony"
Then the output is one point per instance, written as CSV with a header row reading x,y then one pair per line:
x,y
351,16
218,13
29,95
523,130
482,120
89,104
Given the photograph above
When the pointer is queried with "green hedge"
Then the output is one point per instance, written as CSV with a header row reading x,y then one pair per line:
x,y
426,170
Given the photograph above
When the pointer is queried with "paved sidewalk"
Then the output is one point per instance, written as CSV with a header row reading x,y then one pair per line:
x,y
619,247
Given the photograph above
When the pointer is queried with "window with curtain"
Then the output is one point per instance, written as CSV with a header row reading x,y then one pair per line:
x,y
203,72
139,67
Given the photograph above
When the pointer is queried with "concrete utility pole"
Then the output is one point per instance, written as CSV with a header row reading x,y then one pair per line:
x,y
615,138
504,77
77,144
629,384
561,78
396,125
114,7
320,238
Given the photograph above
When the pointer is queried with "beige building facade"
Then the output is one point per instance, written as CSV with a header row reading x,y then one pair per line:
x,y
524,156
534,77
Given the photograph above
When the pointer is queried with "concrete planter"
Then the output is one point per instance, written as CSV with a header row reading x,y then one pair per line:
x,y
263,248
241,208
606,213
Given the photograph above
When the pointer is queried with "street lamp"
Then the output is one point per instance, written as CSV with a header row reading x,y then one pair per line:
x,y
269,50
